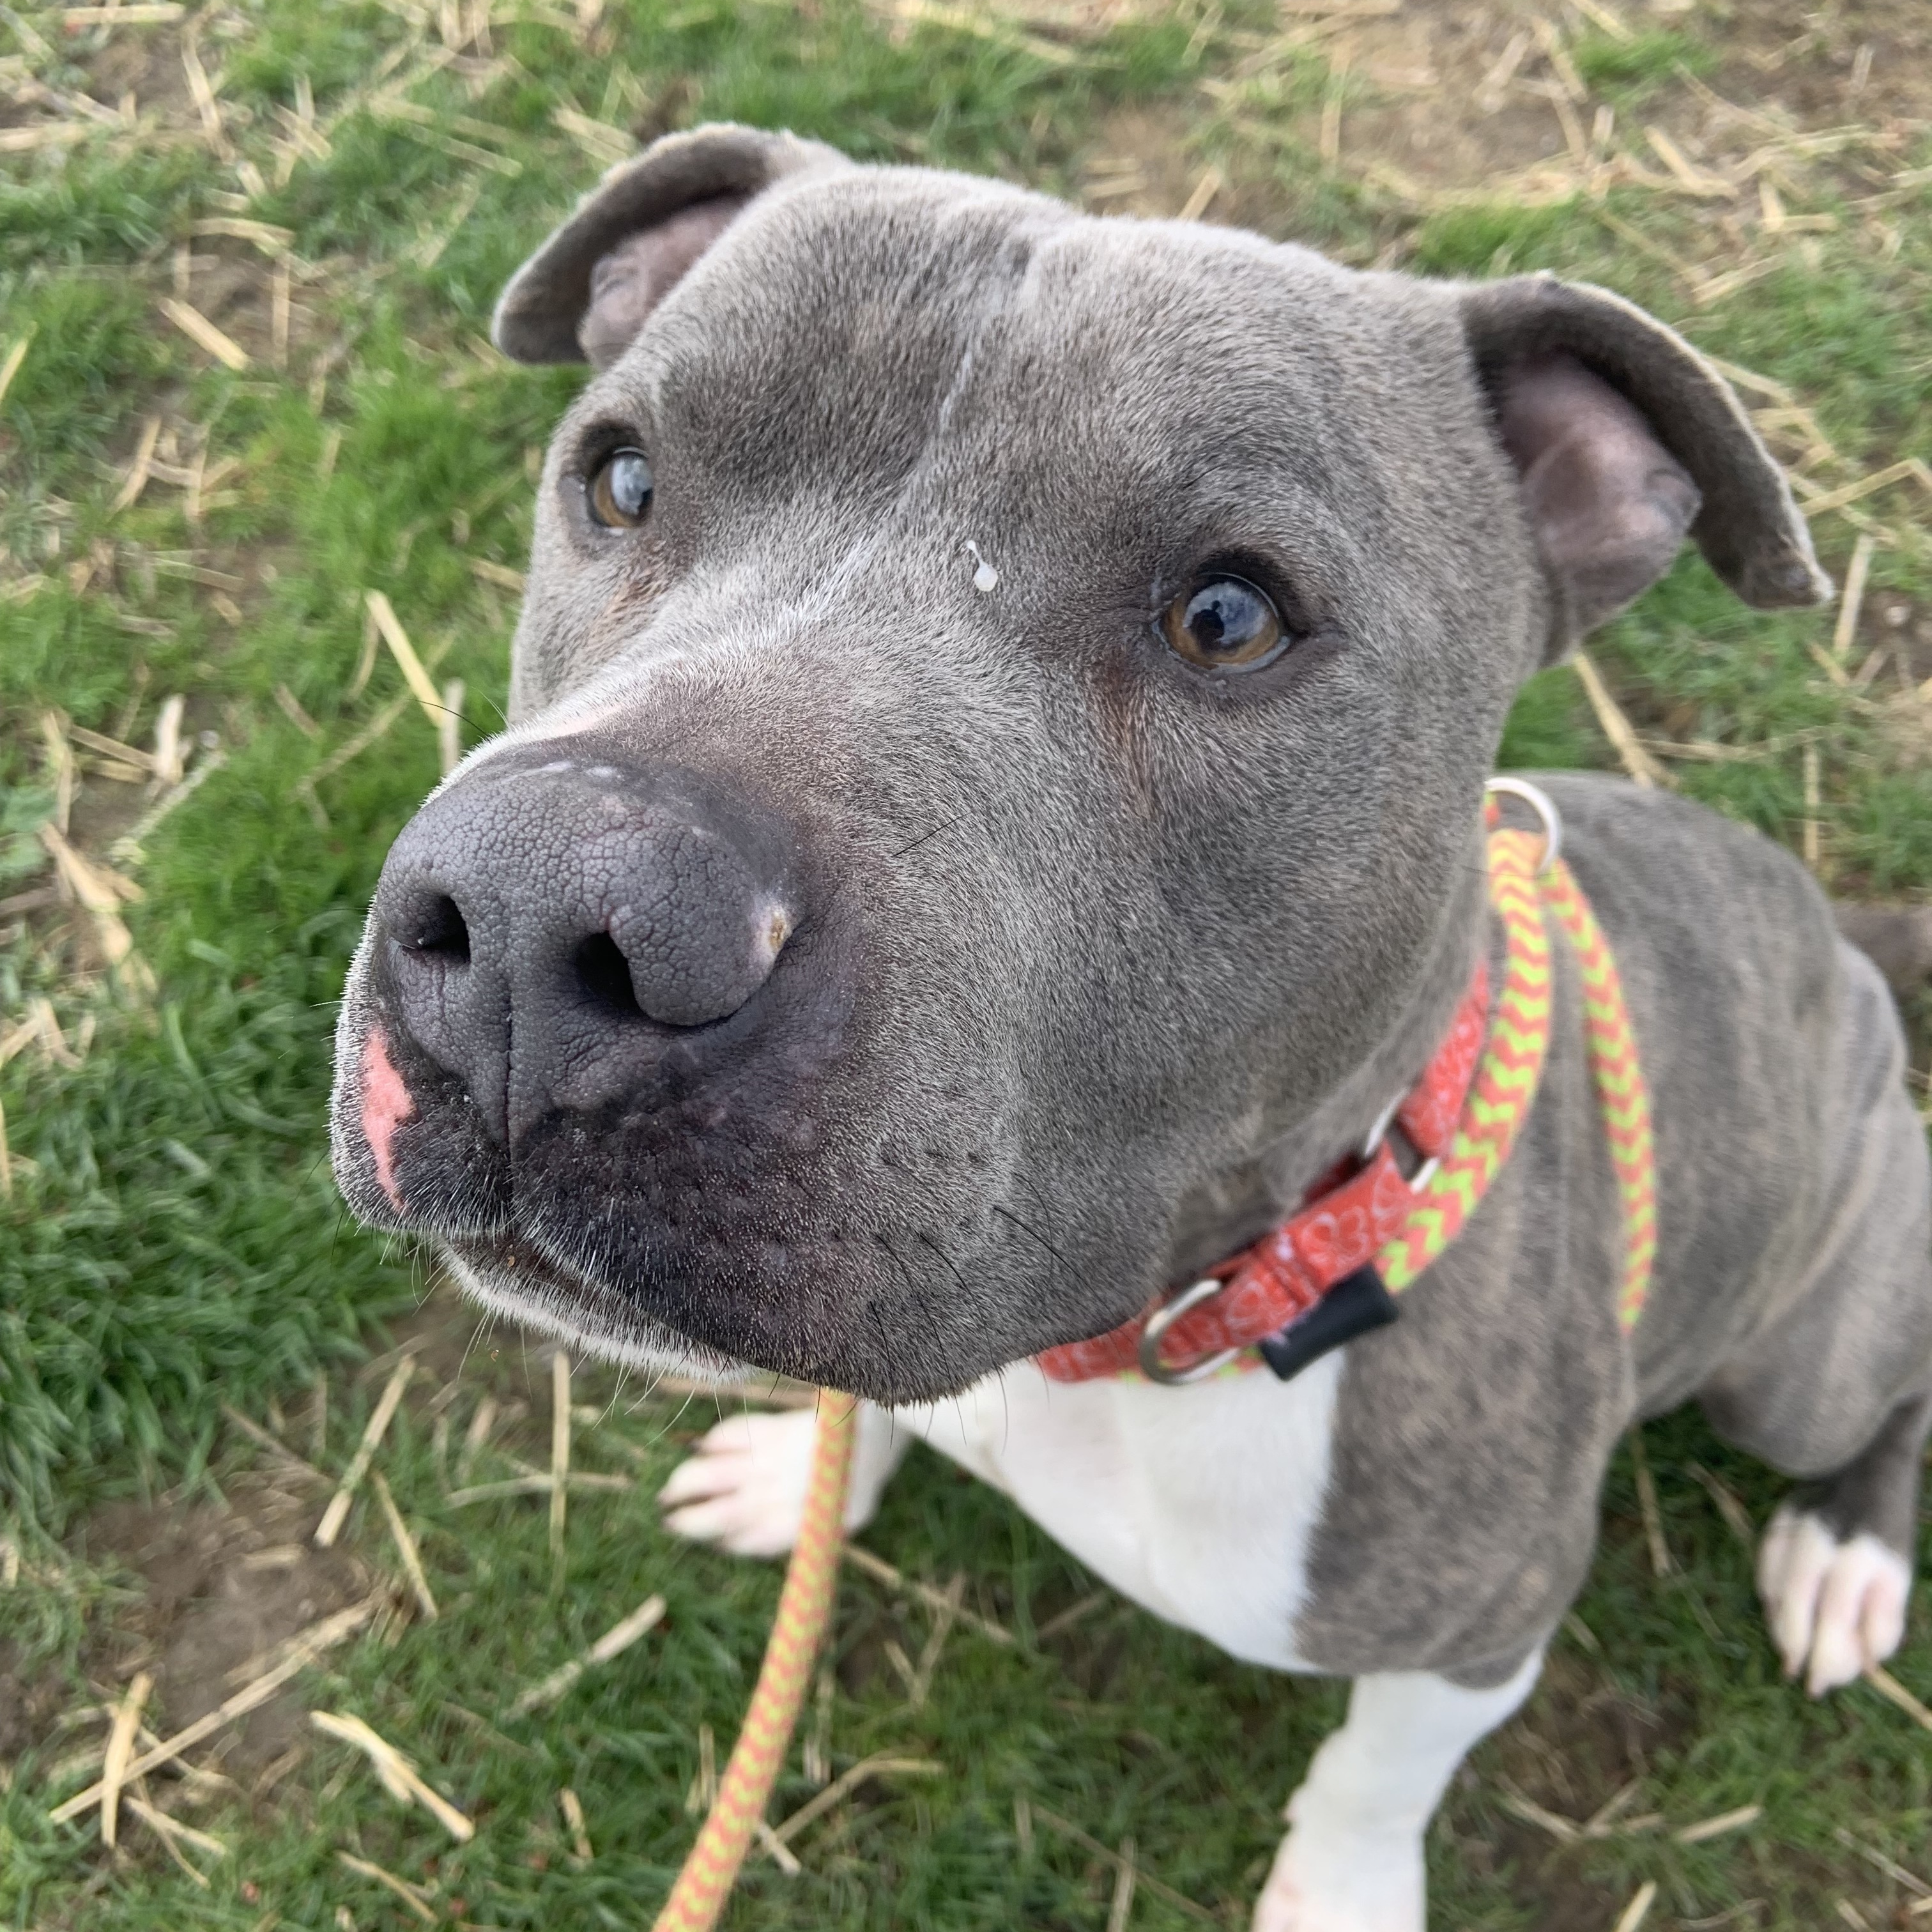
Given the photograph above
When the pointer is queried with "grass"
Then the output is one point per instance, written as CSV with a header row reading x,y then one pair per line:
x,y
171,1241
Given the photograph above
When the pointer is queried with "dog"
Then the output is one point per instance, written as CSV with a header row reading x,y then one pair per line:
x,y
992,811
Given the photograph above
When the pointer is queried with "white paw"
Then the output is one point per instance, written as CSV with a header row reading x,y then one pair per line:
x,y
1835,1609
744,1487
1330,1879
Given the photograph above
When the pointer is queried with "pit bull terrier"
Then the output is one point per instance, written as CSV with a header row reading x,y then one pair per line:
x,y
992,812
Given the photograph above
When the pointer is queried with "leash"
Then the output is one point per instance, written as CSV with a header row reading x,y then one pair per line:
x,y
804,1610
1331,1296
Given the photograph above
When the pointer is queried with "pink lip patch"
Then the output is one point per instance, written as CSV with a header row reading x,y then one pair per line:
x,y
386,1105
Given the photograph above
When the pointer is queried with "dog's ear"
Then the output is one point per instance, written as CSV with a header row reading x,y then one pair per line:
x,y
1627,441
584,295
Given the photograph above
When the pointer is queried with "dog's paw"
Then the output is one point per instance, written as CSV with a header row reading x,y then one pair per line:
x,y
1834,1608
1328,1880
744,1487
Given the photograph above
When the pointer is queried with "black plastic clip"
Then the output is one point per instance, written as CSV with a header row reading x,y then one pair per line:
x,y
1357,1303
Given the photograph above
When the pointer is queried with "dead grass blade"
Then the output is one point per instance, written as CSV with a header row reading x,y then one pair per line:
x,y
1120,1909
17,354
399,1776
1660,1562
414,1896
41,134
302,1651
97,891
318,1637
882,1764
337,1514
877,1567
573,1817
1197,204
1736,1517
1813,831
171,1831
1638,1909
1180,1901
406,1546
560,1448
1853,596
1816,504
352,747
198,328
500,575
539,1483
780,1853
140,468
1642,767
449,727
403,652
120,1750
1717,1827
942,1621
1564,1831
1888,1687
1897,1872
128,846
613,1642
265,1438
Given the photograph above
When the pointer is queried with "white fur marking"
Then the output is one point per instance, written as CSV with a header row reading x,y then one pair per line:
x,y
1353,1860
1835,1609
1197,1503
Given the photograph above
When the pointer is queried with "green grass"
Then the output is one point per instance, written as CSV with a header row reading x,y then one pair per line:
x,y
173,1240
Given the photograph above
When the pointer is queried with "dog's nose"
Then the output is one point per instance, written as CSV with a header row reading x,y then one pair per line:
x,y
551,923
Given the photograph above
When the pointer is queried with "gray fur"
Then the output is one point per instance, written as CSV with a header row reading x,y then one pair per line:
x,y
1103,958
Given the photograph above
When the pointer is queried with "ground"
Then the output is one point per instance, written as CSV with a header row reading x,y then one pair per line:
x,y
246,254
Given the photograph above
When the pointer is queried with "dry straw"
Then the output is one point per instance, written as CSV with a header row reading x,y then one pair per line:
x,y
399,1776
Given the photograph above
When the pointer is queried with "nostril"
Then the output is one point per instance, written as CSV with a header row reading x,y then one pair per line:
x,y
604,973
435,926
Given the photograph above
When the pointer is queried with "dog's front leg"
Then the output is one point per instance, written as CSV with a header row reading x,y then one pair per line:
x,y
1352,1860
743,1486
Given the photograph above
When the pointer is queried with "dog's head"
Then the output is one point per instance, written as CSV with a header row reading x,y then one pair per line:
x,y
1000,716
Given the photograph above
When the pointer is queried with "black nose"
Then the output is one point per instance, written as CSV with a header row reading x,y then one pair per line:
x,y
552,921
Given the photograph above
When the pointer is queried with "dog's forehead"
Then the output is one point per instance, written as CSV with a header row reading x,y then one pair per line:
x,y
883,297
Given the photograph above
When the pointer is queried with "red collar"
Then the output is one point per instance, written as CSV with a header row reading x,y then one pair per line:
x,y
1254,1299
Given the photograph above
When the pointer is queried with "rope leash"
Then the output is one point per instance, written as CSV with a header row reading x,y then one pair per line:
x,y
804,1611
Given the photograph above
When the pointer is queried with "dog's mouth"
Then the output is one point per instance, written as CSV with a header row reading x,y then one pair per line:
x,y
507,1277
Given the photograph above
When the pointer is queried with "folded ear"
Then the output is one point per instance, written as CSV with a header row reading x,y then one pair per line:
x,y
1627,441
584,295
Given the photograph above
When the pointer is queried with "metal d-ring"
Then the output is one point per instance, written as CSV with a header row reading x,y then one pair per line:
x,y
1164,1318
1540,801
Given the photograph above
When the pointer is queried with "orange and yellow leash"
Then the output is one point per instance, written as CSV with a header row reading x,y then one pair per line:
x,y
804,1612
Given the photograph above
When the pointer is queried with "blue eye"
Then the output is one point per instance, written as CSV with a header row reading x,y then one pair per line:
x,y
620,492
1224,624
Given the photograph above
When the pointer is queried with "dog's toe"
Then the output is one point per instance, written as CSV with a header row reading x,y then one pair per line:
x,y
744,1487
1835,1608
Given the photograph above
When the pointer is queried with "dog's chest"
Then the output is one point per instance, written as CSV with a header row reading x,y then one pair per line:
x,y
1201,1504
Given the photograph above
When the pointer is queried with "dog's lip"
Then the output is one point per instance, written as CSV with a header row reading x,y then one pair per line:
x,y
510,1278
514,1265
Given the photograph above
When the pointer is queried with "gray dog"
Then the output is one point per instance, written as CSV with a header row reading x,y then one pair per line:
x,y
992,811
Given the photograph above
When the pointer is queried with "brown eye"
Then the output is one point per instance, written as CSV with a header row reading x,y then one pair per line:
x,y
620,491
1224,624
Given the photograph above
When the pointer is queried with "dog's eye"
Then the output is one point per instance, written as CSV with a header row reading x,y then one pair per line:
x,y
1225,624
620,491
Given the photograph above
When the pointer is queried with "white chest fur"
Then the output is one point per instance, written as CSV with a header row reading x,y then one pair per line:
x,y
1199,1503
